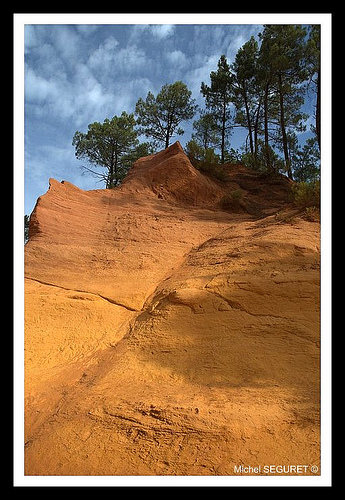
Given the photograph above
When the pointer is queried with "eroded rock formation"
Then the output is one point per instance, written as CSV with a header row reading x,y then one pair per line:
x,y
167,335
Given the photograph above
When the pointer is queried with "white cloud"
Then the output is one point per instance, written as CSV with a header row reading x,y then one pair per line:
x,y
87,29
103,56
79,97
130,59
72,79
177,58
237,37
111,61
30,38
37,88
126,96
161,31
78,74
234,45
67,43
200,73
138,33
71,75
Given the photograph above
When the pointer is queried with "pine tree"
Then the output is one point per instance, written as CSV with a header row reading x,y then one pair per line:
x,y
206,131
247,98
108,145
283,57
159,117
218,98
314,71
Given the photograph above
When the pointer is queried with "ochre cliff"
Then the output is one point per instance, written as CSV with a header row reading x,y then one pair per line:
x,y
165,335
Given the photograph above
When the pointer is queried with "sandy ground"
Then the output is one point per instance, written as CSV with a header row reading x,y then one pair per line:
x,y
167,336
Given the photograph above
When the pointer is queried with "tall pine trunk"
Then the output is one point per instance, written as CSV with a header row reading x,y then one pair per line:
x,y
167,135
267,146
249,123
223,133
318,120
256,131
111,172
283,129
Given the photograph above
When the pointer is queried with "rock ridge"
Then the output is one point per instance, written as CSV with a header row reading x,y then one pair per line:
x,y
165,335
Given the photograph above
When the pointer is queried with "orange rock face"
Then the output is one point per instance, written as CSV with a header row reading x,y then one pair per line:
x,y
166,334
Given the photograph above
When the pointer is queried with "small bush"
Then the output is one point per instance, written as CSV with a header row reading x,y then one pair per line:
x,y
312,214
213,170
236,195
307,194
205,160
233,202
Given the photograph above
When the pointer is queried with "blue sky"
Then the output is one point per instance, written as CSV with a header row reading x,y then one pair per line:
x,y
76,74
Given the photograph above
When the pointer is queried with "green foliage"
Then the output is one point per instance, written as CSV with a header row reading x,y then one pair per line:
x,y
142,149
232,156
313,57
264,85
197,153
214,170
159,117
236,195
247,92
283,72
218,98
267,86
307,162
312,214
307,194
206,130
205,160
233,202
110,145
259,164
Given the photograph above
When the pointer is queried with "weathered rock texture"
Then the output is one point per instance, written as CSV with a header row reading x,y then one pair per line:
x,y
165,335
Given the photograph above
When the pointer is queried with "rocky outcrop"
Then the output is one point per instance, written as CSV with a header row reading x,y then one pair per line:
x,y
167,335
170,176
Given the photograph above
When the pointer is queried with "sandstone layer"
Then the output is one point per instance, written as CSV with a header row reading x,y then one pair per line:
x,y
165,335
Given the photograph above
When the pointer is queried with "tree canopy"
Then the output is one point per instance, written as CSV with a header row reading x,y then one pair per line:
x,y
218,97
262,90
110,144
159,117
